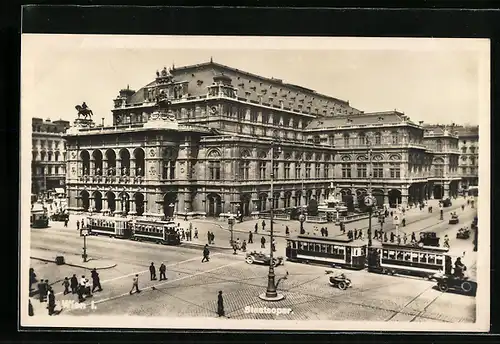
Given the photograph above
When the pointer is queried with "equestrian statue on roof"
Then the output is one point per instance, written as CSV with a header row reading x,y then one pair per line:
x,y
84,111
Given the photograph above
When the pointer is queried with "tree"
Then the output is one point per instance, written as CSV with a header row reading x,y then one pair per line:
x,y
312,208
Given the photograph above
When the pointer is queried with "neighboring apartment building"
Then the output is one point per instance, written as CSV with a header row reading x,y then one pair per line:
x,y
468,145
48,162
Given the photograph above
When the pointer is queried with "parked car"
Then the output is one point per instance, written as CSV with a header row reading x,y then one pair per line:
x,y
445,202
453,220
262,258
463,233
450,282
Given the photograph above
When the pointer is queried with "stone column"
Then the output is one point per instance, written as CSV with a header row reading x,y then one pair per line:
x,y
118,167
446,193
104,204
132,168
118,206
91,203
132,205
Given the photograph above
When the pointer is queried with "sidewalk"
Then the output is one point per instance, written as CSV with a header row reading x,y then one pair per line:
x,y
72,260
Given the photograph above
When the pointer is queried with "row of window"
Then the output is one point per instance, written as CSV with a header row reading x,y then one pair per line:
x,y
378,170
49,170
414,257
472,150
50,144
49,156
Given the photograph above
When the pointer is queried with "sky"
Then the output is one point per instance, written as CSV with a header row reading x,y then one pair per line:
x,y
433,80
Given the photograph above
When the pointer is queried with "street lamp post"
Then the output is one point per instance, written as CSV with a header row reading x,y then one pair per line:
x,y
230,221
171,206
271,293
84,232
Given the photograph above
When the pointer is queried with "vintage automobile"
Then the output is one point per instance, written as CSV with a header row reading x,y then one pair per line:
x,y
429,239
463,233
445,202
262,258
60,216
339,281
451,282
453,220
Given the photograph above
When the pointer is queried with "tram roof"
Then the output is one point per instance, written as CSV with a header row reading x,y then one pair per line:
x,y
340,240
415,248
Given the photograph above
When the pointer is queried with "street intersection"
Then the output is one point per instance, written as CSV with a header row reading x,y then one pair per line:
x,y
192,287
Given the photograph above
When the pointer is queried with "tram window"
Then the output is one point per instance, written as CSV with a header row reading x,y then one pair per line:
x,y
439,260
113,225
302,246
324,248
392,254
294,244
385,254
317,248
431,259
423,258
414,257
311,247
407,256
399,256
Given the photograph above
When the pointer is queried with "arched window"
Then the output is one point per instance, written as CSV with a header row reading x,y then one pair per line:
x,y
346,140
439,146
362,139
395,138
378,138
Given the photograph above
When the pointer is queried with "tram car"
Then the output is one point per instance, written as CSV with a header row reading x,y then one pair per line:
x,y
39,217
114,227
158,231
417,260
338,252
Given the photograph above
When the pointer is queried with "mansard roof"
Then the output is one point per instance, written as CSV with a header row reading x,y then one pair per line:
x,y
254,88
373,118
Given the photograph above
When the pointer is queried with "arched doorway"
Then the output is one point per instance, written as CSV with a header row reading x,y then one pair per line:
x,y
438,191
288,199
309,194
245,204
85,156
85,199
139,203
139,162
97,155
276,200
110,196
262,202
125,162
379,196
394,197
214,204
348,199
169,202
125,201
298,198
98,201
111,162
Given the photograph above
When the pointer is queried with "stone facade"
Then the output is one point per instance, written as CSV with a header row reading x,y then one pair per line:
x,y
198,140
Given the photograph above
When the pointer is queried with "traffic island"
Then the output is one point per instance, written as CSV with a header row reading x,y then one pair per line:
x,y
71,260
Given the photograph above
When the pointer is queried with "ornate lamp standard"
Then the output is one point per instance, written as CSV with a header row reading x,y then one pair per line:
x,y
230,222
84,232
271,293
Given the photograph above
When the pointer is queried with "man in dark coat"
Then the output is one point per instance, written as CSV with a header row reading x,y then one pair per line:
x,y
262,242
40,287
32,277
220,304
322,231
206,253
73,283
413,238
52,301
256,227
152,271
163,270
250,237
392,236
46,287
96,281
263,224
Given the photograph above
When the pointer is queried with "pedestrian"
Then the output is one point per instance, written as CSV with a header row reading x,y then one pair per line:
x,y
287,230
220,304
399,239
30,308
273,245
385,236
463,207
403,221
163,272
190,234
65,222
80,291
77,225
244,246
375,236
46,287
196,233
413,238
206,253
65,283
209,237
52,301
326,231
74,283
263,224
135,284
256,227
250,237
349,234
405,238
40,287
96,280
322,232
355,233
360,235
152,271
32,277
262,242
392,236
183,234
212,235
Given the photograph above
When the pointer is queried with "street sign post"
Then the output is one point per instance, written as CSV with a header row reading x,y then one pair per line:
x,y
84,232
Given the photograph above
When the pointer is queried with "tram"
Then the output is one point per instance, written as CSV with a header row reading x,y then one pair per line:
x,y
346,253
39,217
416,260
161,232
115,227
